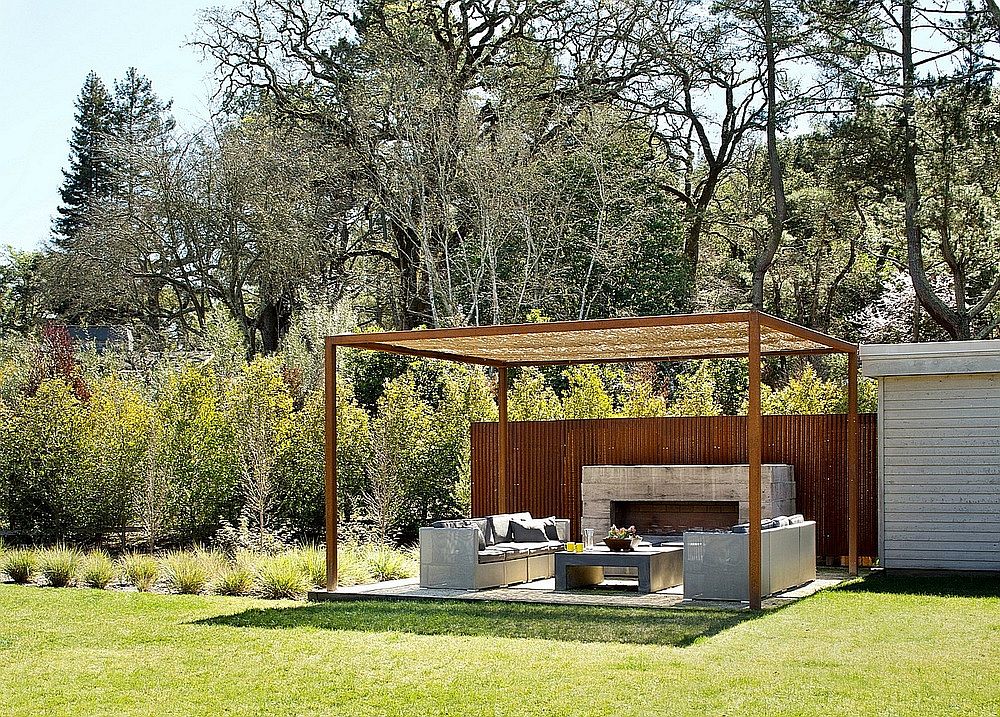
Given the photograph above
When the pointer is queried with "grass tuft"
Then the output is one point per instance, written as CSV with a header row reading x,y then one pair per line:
x,y
234,580
59,565
186,572
281,577
387,563
97,570
139,570
312,560
20,565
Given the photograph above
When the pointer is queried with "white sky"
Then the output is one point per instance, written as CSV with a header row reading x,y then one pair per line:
x,y
47,47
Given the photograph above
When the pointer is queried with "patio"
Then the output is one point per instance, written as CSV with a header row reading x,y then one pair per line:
x,y
611,593
744,334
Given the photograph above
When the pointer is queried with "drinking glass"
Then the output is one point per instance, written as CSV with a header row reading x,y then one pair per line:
x,y
588,538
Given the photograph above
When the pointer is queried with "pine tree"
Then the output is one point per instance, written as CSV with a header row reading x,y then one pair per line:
x,y
140,122
89,177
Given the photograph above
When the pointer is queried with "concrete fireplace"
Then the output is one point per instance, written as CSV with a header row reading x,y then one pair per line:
x,y
669,499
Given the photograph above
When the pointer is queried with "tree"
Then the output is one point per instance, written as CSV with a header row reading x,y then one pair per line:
x,y
880,53
89,177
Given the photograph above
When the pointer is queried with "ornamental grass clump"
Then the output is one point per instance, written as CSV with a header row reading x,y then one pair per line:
x,y
234,580
281,577
351,566
312,559
97,570
386,563
186,572
59,565
20,565
139,570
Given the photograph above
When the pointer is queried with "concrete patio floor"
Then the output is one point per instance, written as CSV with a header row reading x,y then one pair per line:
x,y
610,593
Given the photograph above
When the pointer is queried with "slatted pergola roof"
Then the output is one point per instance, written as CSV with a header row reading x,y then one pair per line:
x,y
748,334
651,338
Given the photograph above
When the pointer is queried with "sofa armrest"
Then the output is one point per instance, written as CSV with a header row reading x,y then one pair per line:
x,y
562,529
445,546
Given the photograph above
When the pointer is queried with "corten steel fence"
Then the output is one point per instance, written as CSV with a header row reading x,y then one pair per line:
x,y
546,458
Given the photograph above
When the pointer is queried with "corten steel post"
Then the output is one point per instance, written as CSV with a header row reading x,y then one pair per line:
x,y
853,460
754,440
502,442
331,465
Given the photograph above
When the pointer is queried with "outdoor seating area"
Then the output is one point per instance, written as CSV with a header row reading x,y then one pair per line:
x,y
508,548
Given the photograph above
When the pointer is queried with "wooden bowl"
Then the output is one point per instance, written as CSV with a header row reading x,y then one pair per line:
x,y
618,545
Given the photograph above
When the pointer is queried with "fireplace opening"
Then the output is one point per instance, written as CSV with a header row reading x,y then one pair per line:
x,y
670,518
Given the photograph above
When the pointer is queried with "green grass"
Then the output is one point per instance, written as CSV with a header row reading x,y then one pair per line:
x,y
882,647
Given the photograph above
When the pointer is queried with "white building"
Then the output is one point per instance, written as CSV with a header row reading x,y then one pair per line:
x,y
938,453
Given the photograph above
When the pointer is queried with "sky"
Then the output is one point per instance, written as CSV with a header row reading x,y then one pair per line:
x,y
47,47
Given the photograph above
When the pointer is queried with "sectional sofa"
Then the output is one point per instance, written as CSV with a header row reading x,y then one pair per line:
x,y
497,550
715,562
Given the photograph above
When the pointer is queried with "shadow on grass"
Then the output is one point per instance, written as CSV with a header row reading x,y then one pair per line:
x,y
679,628
936,585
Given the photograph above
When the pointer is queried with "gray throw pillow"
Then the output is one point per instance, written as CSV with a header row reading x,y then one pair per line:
x,y
526,530
499,526
551,530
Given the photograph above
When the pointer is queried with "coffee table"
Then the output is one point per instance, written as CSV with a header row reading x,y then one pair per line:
x,y
659,568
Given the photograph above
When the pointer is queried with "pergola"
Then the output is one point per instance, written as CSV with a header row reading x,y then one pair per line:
x,y
737,334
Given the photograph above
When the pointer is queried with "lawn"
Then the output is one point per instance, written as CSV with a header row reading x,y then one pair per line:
x,y
880,647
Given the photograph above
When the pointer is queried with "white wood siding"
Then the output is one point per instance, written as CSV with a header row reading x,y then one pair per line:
x,y
939,448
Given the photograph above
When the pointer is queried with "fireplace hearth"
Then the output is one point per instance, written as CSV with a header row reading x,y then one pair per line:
x,y
673,517
666,500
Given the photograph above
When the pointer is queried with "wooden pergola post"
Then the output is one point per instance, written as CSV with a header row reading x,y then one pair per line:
x,y
331,465
502,441
853,462
755,430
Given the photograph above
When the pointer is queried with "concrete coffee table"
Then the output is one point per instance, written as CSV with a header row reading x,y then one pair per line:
x,y
659,568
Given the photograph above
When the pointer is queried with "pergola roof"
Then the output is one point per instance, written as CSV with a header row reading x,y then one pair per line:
x,y
648,338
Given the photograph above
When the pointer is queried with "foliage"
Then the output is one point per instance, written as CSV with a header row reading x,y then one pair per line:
x,y
20,564
807,394
587,396
97,570
387,563
280,577
531,398
188,572
139,570
60,565
235,579
695,395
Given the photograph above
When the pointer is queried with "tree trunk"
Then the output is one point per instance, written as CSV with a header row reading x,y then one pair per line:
x,y
778,217
949,319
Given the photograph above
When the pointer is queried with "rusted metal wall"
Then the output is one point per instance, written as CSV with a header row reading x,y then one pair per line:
x,y
546,459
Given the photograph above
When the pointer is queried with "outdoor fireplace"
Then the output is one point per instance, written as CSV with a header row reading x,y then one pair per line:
x,y
666,500
673,517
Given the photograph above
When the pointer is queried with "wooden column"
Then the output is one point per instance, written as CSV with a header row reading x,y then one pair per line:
x,y
754,450
331,465
853,462
502,441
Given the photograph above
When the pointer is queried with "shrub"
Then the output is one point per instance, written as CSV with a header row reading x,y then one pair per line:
x,y
279,577
387,563
97,570
234,580
186,572
139,570
59,565
351,566
312,559
20,565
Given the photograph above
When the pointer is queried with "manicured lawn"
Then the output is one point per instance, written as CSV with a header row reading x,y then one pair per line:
x,y
883,647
